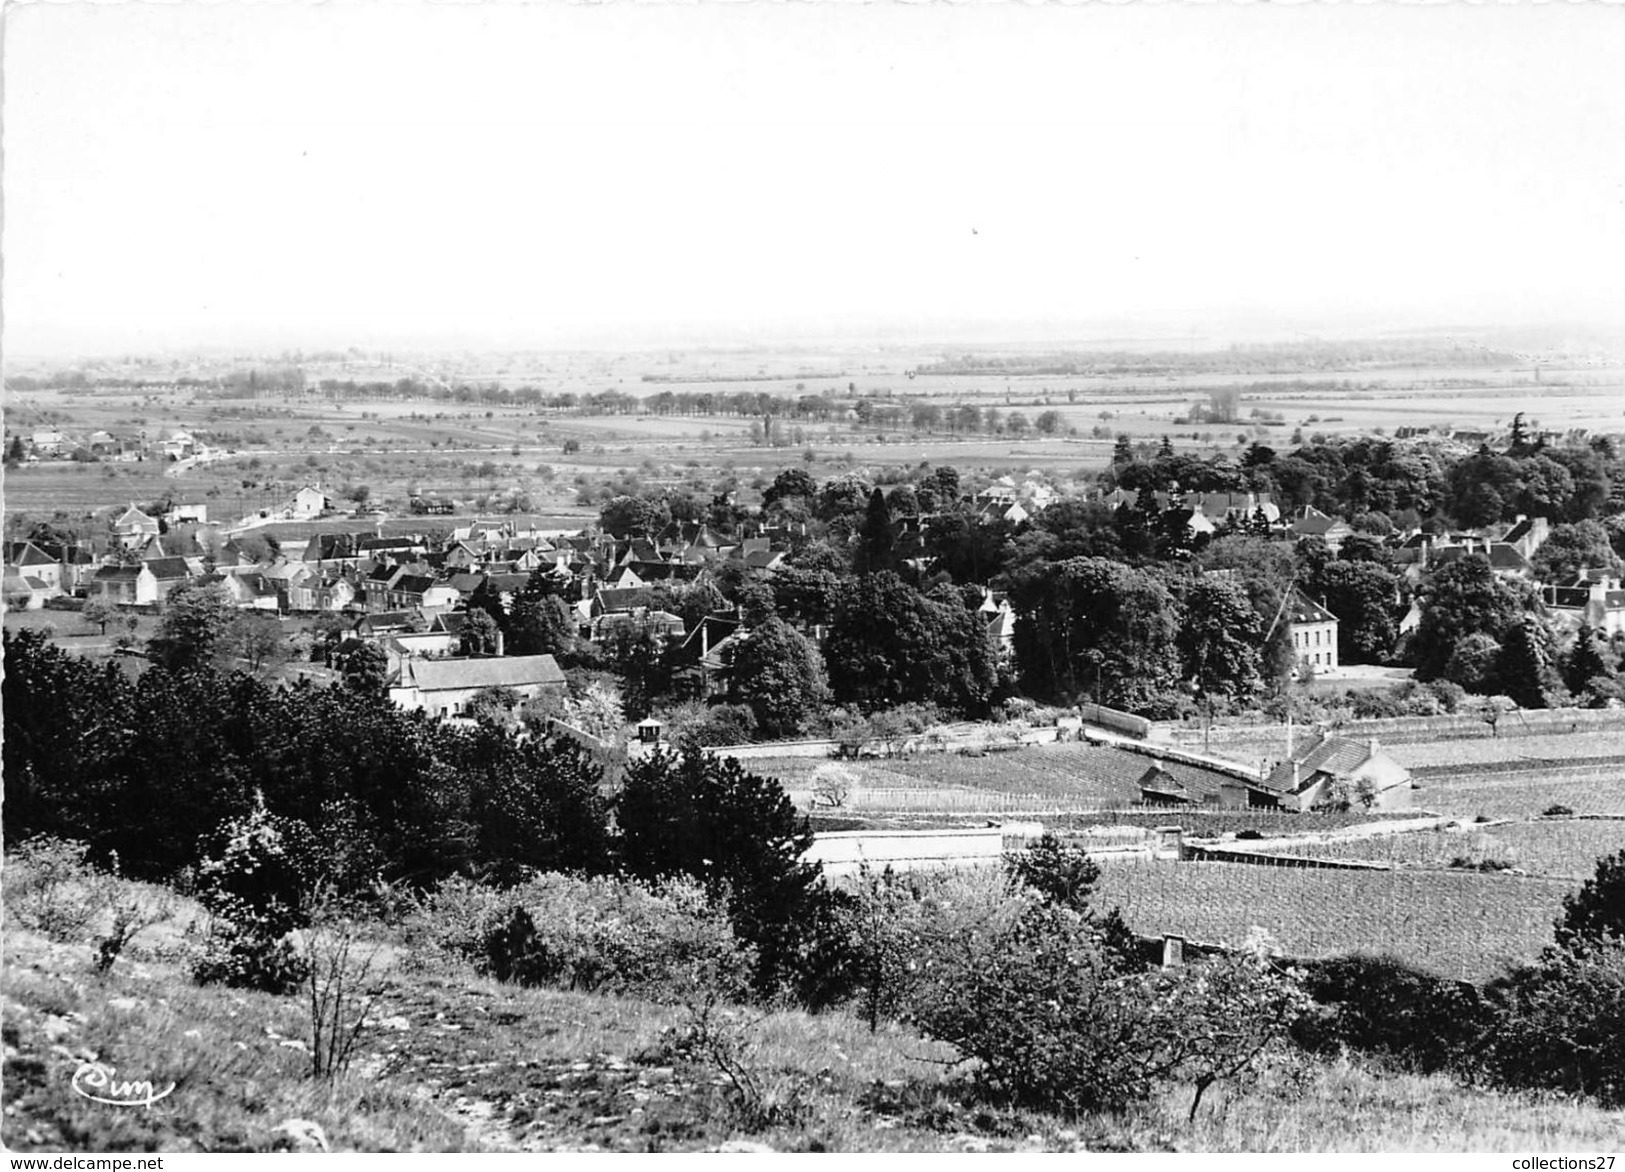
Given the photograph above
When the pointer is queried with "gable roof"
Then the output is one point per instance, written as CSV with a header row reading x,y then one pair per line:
x,y
169,569
614,600
1338,756
122,573
1303,609
503,671
26,553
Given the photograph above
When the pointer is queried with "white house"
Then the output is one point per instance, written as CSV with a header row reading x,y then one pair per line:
x,y
307,503
1314,632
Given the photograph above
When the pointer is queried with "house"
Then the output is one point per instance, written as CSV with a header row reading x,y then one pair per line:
x,y
33,562
247,591
1596,601
1311,522
309,502
420,590
332,547
132,528
179,446
1528,534
320,590
445,687
169,574
1000,619
1314,632
1335,770
187,514
22,591
1504,558
662,623
706,654
47,441
125,585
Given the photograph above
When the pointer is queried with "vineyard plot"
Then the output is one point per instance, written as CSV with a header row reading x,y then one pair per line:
x,y
1467,926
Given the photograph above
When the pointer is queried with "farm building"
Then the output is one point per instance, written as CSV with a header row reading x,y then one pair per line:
x,y
1338,769
445,687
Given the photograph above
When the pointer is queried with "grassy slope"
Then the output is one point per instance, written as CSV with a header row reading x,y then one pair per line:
x,y
461,1063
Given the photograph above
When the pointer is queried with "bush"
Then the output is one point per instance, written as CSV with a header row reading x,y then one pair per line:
x,y
1064,876
256,882
1596,912
1381,1006
602,934
51,887
1562,1025
1044,1010
1056,1022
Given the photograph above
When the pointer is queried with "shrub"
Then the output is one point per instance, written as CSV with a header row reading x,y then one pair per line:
x,y
1561,1025
1596,911
341,984
256,881
1044,1010
603,934
1064,876
51,887
1381,1006
1557,811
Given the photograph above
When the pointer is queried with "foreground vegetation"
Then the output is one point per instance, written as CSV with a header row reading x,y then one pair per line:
x,y
450,1059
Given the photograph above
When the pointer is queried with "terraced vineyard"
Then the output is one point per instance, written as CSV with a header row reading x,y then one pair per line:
x,y
1466,926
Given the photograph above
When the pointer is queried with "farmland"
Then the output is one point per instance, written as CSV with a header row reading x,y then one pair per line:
x,y
1456,925
469,448
1560,848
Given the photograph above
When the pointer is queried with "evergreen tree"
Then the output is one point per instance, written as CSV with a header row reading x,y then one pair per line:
x,y
1585,662
877,541
1122,450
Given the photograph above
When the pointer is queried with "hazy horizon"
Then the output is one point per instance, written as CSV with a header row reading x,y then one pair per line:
x,y
644,177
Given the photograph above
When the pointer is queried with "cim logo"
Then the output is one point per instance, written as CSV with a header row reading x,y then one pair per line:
x,y
101,1084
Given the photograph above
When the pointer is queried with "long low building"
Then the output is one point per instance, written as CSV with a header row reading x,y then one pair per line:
x,y
445,687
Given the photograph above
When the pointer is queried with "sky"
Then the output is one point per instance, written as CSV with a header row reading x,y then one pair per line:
x,y
514,176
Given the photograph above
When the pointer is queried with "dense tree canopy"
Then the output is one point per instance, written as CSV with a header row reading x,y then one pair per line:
x,y
1096,628
889,644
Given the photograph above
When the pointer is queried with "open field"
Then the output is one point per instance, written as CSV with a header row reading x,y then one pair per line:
x,y
1465,926
437,441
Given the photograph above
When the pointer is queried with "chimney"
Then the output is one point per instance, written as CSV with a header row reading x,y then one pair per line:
x,y
1297,771
1373,746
